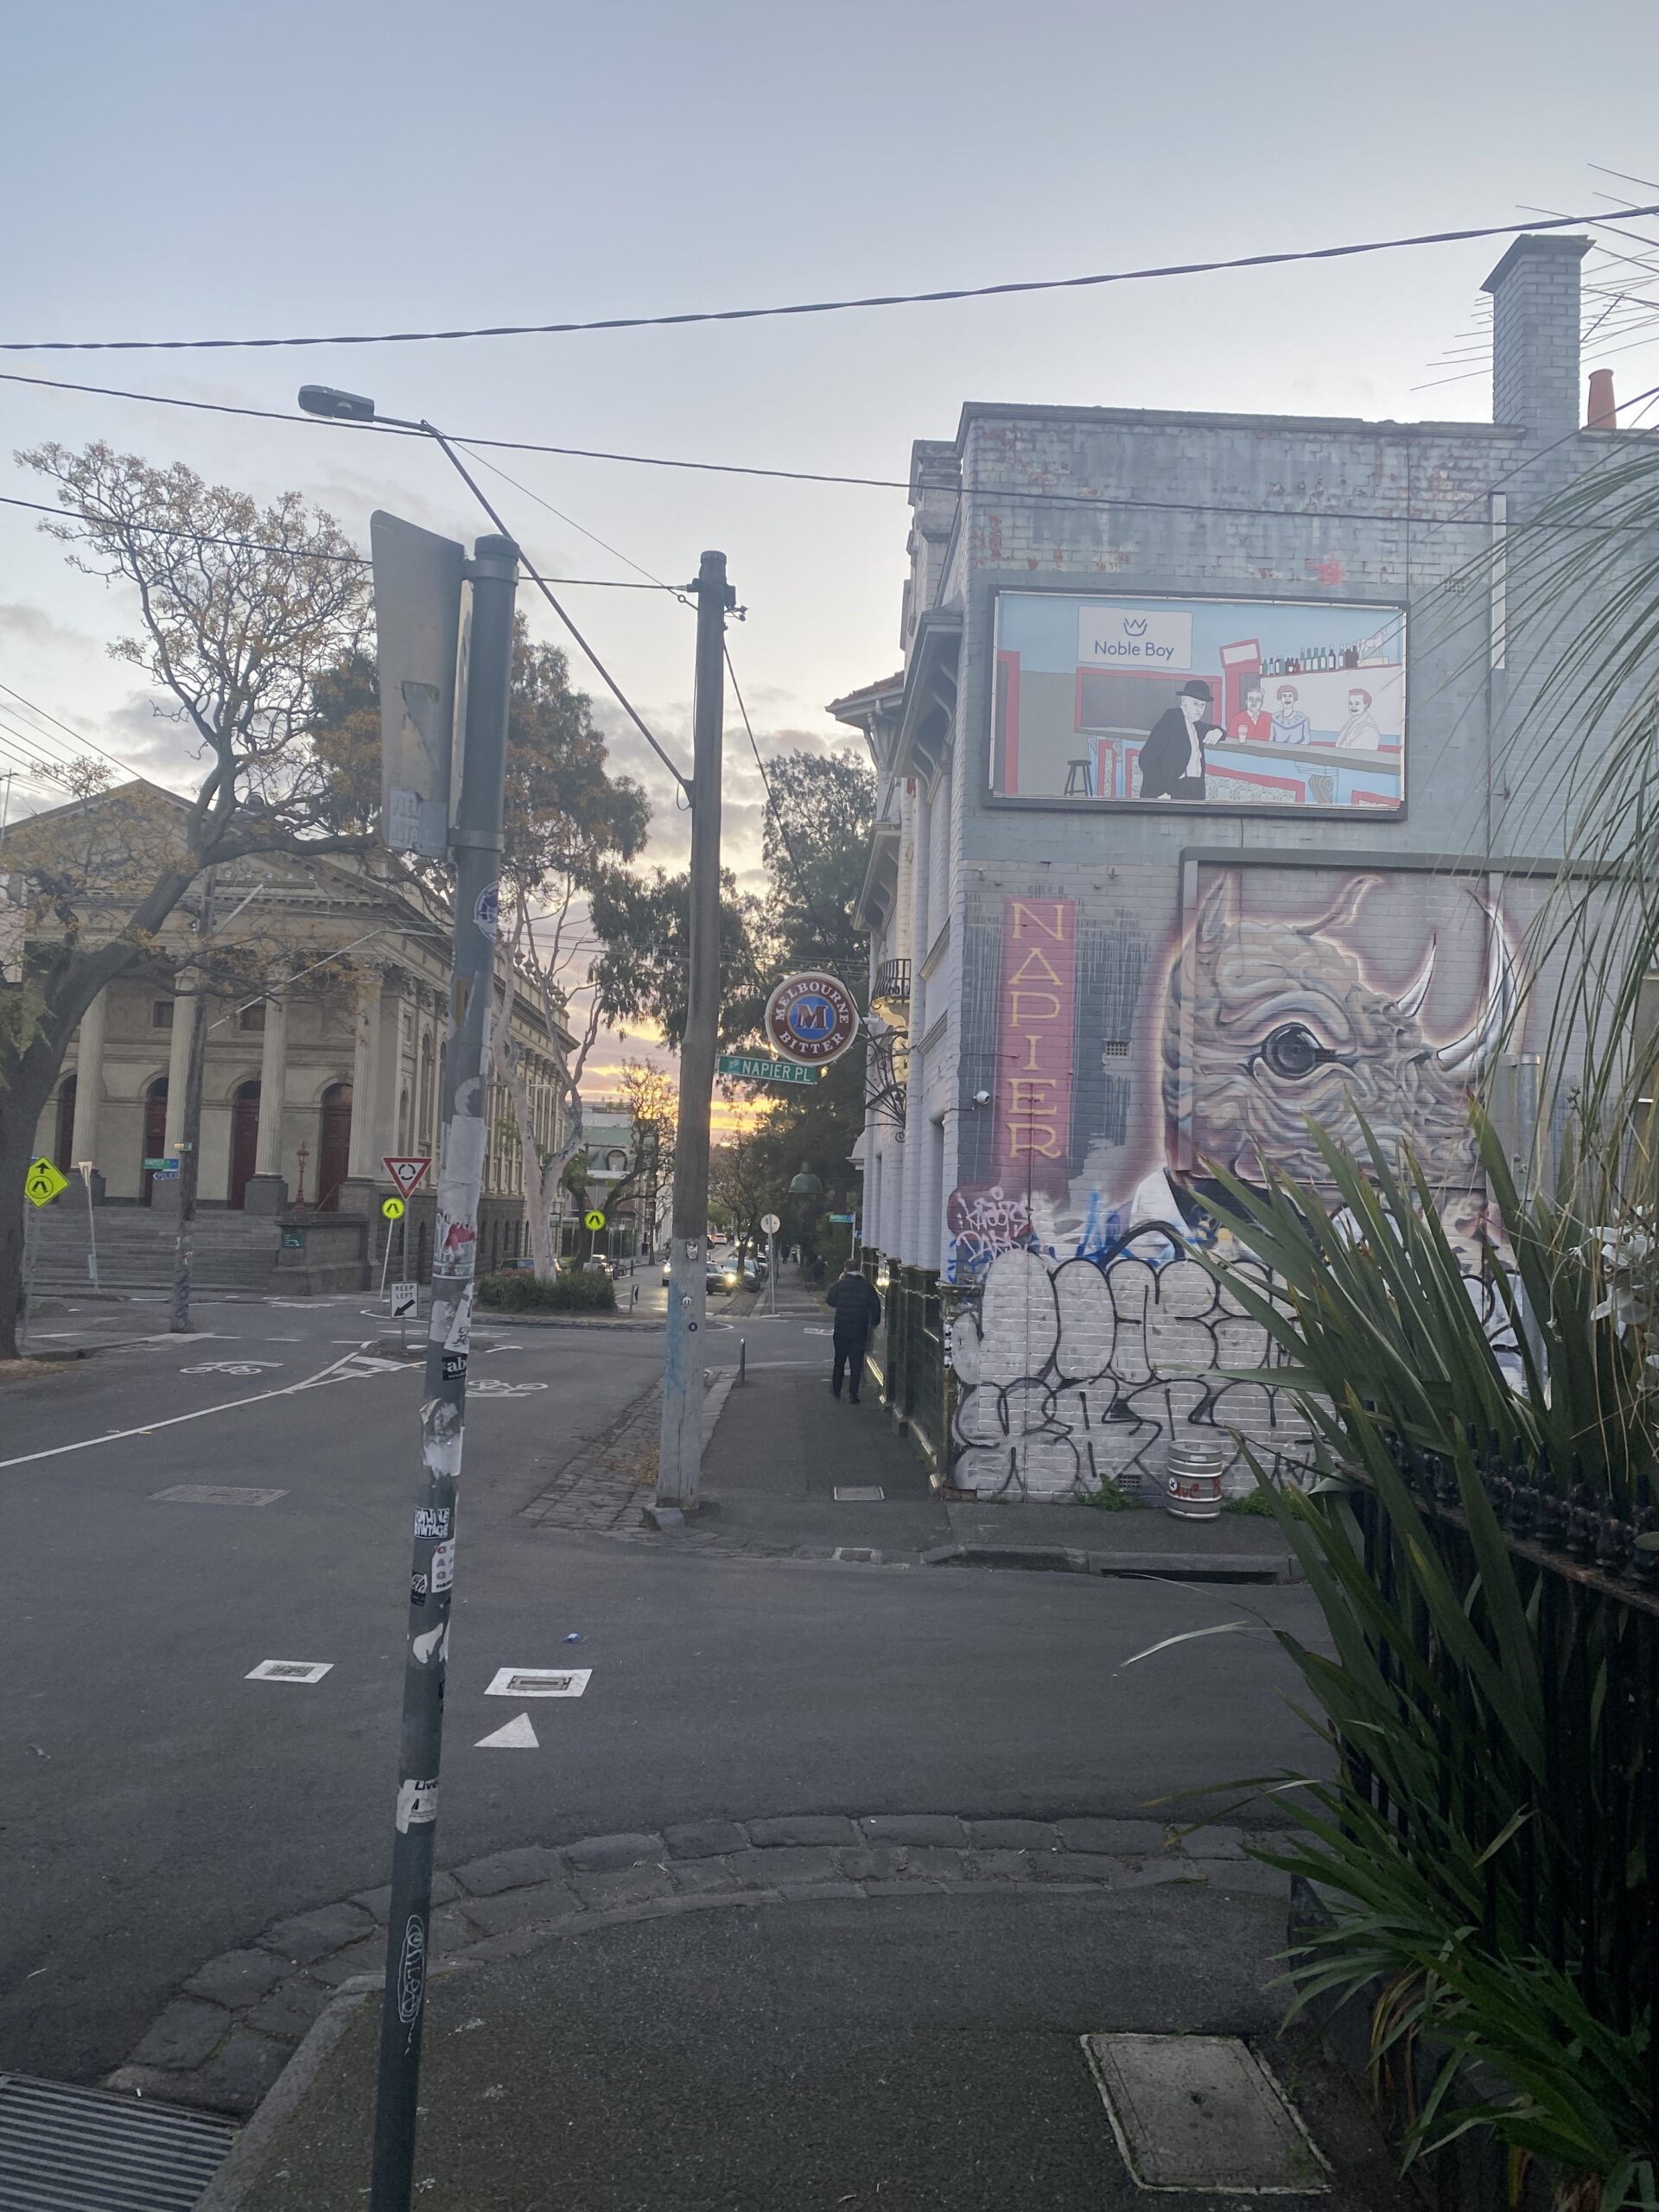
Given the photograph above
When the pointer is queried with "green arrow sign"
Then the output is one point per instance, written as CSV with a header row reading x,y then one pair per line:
x,y
757,1070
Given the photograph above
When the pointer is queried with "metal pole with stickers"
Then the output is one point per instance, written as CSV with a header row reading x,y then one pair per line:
x,y
445,633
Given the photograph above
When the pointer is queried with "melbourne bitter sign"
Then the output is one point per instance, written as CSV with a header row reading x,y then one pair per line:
x,y
811,1019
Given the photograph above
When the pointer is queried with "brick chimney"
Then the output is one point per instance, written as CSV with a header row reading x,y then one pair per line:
x,y
1534,292
1602,413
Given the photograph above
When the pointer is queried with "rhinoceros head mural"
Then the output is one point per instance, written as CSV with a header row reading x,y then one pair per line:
x,y
1272,1023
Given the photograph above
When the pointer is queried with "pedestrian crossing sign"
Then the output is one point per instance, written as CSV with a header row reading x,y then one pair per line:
x,y
43,1182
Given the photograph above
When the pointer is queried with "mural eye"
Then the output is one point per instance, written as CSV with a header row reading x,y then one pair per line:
x,y
1293,1051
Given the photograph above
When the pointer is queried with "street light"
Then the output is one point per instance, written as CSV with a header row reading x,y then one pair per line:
x,y
806,1185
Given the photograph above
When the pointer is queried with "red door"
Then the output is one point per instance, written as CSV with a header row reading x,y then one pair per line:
x,y
334,1145
155,1135
245,1140
65,1153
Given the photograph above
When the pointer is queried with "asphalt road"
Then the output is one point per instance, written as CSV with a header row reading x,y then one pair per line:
x,y
162,1807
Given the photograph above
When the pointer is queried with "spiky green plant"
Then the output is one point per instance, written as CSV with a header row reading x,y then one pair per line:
x,y
1458,1821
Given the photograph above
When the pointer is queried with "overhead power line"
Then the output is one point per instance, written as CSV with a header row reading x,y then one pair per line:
x,y
813,307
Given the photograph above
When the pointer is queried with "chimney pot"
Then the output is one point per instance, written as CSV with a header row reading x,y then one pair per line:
x,y
1602,413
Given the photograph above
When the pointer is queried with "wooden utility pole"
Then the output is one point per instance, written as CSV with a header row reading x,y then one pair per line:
x,y
680,1459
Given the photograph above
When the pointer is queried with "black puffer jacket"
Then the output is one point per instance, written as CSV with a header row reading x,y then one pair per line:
x,y
857,1307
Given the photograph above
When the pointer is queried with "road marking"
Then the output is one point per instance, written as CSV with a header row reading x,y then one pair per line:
x,y
539,1681
233,1367
214,1493
308,1671
517,1736
230,1405
487,1386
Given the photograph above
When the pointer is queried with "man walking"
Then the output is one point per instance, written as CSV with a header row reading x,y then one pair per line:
x,y
857,1310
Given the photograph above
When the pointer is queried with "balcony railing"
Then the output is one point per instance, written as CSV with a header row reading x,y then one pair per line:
x,y
892,983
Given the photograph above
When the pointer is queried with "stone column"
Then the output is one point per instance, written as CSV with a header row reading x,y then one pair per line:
x,y
89,1080
360,1192
267,1191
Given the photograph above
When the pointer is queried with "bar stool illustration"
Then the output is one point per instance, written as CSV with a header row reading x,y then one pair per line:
x,y
1079,780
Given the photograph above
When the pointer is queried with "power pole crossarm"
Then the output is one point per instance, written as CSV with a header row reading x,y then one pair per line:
x,y
680,1460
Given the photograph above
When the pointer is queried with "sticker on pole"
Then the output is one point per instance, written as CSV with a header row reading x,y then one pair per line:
x,y
593,1219
43,1182
406,1299
487,909
392,1209
407,1171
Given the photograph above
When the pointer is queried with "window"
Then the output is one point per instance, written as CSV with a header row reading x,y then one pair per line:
x,y
252,1017
161,1014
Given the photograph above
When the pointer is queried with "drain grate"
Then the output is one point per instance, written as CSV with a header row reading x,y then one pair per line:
x,y
859,1494
1203,2113
87,2151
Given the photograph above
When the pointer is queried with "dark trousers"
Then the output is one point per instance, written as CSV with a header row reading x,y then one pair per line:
x,y
849,1359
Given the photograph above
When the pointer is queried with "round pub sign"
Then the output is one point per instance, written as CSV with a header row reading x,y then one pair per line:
x,y
811,1018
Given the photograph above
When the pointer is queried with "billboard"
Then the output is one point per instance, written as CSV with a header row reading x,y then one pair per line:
x,y
1105,699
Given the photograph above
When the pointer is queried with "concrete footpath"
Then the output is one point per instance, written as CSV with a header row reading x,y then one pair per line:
x,y
814,2013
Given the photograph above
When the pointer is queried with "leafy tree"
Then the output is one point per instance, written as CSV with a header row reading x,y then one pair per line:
x,y
642,923
240,609
816,846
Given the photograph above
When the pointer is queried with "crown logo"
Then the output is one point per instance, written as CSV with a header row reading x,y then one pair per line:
x,y
1137,628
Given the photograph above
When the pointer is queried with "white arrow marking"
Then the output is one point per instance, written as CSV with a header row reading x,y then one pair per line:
x,y
517,1736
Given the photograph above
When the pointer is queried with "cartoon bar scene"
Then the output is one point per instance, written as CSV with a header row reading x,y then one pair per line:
x,y
1213,702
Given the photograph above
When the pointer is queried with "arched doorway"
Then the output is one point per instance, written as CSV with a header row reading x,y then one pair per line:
x,y
334,1145
154,1136
245,1139
64,1150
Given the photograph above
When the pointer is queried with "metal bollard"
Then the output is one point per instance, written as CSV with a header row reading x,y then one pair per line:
x,y
742,1359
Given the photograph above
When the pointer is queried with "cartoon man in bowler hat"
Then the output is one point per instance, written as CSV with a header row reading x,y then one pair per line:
x,y
1172,759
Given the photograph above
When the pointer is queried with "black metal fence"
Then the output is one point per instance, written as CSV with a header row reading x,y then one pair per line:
x,y
1552,1760
915,1368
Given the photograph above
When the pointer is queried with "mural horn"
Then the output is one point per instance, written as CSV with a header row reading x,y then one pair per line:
x,y
1410,1001
1467,1057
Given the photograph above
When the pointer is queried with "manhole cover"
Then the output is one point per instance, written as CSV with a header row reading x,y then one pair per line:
x,y
100,2153
539,1681
859,1494
289,1670
1202,2112
214,1493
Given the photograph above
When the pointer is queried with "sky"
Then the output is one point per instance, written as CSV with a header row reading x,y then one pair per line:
x,y
192,171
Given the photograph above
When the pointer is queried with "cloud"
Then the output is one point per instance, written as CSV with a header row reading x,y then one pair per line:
x,y
33,627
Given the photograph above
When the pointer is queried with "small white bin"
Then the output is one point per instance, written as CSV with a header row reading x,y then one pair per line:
x,y
1192,1478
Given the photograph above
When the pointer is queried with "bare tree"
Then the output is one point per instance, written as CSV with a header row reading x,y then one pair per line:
x,y
240,608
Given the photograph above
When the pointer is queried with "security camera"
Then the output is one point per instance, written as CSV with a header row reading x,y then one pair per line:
x,y
981,1099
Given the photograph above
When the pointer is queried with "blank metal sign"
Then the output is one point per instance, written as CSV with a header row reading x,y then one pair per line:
x,y
539,1681
289,1670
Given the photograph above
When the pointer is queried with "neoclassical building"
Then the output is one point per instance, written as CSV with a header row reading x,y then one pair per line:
x,y
325,1006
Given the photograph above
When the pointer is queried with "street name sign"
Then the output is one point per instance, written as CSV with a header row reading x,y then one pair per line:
x,y
753,1068
43,1182
849,1218
407,1171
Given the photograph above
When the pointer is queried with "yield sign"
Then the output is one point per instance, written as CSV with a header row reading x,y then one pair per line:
x,y
406,1174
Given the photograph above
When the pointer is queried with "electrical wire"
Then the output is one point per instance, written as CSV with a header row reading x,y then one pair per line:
x,y
303,553
609,681
773,807
87,743
811,307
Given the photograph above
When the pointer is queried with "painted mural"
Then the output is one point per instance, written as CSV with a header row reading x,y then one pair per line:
x,y
1287,996
1202,701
